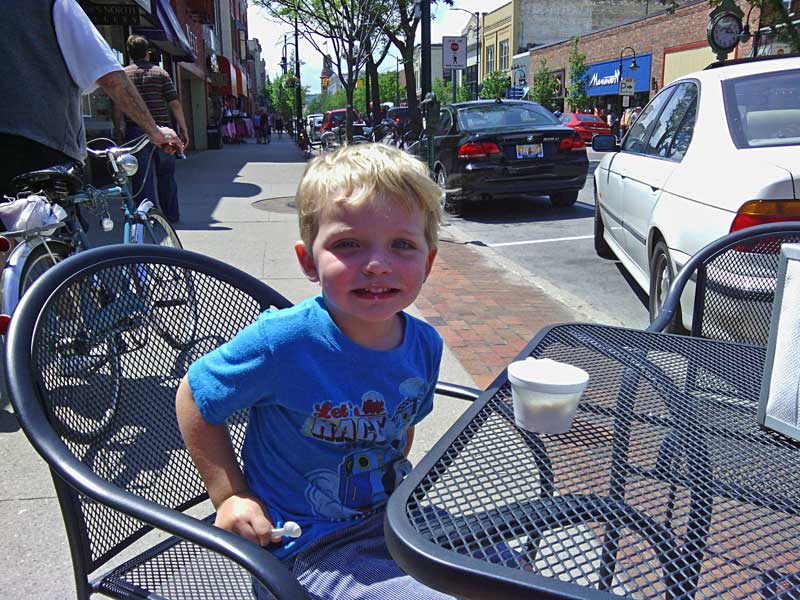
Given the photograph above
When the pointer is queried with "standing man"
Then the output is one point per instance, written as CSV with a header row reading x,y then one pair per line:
x,y
52,53
158,92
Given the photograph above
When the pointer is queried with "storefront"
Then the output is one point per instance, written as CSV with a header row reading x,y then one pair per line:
x,y
603,79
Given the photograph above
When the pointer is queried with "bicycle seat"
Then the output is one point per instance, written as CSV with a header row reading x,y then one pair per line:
x,y
69,174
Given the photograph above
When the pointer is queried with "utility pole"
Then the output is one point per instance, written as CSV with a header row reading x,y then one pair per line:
x,y
298,94
425,69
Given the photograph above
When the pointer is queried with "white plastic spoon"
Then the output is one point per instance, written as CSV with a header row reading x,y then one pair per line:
x,y
289,529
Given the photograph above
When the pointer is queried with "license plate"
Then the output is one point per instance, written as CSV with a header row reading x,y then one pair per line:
x,y
529,151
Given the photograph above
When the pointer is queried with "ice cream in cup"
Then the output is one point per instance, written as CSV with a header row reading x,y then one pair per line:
x,y
545,394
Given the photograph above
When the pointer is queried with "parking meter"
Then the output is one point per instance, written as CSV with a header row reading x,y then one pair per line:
x,y
430,108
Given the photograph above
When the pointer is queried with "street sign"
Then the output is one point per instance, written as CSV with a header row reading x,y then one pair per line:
x,y
626,101
454,52
627,86
515,92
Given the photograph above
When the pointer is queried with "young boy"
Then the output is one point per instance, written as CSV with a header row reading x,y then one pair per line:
x,y
335,385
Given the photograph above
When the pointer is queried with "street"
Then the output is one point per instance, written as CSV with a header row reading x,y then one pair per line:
x,y
554,248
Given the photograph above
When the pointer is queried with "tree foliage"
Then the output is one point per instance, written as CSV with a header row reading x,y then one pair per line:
x,y
495,85
444,91
281,95
545,85
578,98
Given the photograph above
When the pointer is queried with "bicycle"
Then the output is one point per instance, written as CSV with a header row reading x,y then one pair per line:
x,y
335,137
107,318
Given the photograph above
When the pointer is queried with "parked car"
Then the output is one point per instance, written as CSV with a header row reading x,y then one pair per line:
x,y
316,127
404,119
585,124
492,148
713,152
337,117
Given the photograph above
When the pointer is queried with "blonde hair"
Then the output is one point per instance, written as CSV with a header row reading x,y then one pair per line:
x,y
359,173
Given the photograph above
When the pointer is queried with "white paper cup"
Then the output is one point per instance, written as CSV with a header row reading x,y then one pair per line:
x,y
545,394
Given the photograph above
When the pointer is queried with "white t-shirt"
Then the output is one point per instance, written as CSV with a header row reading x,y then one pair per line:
x,y
87,54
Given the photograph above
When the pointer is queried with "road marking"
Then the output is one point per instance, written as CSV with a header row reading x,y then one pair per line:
x,y
562,239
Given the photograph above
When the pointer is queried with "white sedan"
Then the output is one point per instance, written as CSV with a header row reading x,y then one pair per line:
x,y
713,152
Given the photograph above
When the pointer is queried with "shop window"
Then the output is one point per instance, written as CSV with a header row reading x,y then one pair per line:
x,y
489,59
504,55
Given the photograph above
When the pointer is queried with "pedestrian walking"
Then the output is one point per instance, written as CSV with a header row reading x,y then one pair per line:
x,y
279,126
158,92
258,125
267,129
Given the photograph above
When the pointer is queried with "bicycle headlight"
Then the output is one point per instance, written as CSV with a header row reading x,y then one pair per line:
x,y
128,164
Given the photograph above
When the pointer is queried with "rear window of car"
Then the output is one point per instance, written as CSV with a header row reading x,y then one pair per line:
x,y
764,110
338,117
591,118
491,116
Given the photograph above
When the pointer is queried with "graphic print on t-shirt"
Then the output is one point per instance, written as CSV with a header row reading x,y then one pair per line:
x,y
366,475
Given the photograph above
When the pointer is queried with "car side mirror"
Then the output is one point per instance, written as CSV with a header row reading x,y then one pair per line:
x,y
604,143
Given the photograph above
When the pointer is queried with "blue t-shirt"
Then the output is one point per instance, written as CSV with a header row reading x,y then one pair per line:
x,y
328,418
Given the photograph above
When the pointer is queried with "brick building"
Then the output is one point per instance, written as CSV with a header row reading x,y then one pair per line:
x,y
666,45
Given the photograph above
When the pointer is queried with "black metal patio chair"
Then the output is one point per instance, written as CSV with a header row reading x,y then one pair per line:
x,y
94,355
734,279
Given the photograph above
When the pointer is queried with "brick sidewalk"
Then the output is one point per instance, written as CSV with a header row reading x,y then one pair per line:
x,y
485,314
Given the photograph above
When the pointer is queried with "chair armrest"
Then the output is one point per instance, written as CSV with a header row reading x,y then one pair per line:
x,y
454,390
267,569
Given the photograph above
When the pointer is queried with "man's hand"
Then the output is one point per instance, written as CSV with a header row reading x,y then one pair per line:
x,y
244,515
167,140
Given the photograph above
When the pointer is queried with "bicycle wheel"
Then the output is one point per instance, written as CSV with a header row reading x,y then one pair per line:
x,y
84,368
40,260
157,231
168,291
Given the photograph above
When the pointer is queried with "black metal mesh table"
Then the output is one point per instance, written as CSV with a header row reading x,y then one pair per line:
x,y
664,487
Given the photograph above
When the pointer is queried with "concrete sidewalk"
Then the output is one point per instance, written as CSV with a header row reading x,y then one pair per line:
x,y
236,205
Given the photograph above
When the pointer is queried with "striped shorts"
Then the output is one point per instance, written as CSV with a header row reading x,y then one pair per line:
x,y
354,564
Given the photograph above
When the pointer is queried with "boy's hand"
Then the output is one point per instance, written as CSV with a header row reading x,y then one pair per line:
x,y
245,515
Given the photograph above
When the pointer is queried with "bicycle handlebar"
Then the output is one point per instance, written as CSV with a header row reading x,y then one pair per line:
x,y
135,147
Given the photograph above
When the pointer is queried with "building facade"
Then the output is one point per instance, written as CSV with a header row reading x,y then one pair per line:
x,y
200,43
665,46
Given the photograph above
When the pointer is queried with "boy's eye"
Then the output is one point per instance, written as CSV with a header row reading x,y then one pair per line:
x,y
345,244
404,244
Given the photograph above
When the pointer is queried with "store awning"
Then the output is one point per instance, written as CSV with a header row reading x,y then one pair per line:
x,y
241,85
169,36
227,76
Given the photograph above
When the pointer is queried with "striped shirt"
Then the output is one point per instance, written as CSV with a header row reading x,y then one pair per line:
x,y
155,87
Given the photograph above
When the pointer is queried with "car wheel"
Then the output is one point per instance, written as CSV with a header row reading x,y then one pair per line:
x,y
564,199
450,204
661,278
601,247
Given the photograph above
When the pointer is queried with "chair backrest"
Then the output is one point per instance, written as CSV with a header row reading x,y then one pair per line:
x,y
735,278
112,331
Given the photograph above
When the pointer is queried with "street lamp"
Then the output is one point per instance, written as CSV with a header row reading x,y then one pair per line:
x,y
522,79
477,16
298,96
397,61
632,67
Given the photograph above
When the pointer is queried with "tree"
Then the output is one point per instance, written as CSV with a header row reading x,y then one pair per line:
x,y
578,98
495,85
348,28
777,10
399,25
444,91
545,85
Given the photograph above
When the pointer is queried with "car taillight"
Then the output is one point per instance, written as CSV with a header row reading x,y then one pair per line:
x,y
5,244
477,150
756,212
571,143
5,321
397,120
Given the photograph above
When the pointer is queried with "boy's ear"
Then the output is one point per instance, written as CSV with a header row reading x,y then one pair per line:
x,y
306,261
429,262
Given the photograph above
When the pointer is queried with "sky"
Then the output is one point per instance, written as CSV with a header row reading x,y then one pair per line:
x,y
270,36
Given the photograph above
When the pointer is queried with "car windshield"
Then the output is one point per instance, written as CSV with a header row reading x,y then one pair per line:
x,y
589,118
491,116
764,109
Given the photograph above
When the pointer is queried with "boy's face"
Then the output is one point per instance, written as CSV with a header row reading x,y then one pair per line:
x,y
371,261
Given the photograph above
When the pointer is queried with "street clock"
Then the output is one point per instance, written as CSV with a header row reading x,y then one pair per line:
x,y
724,28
